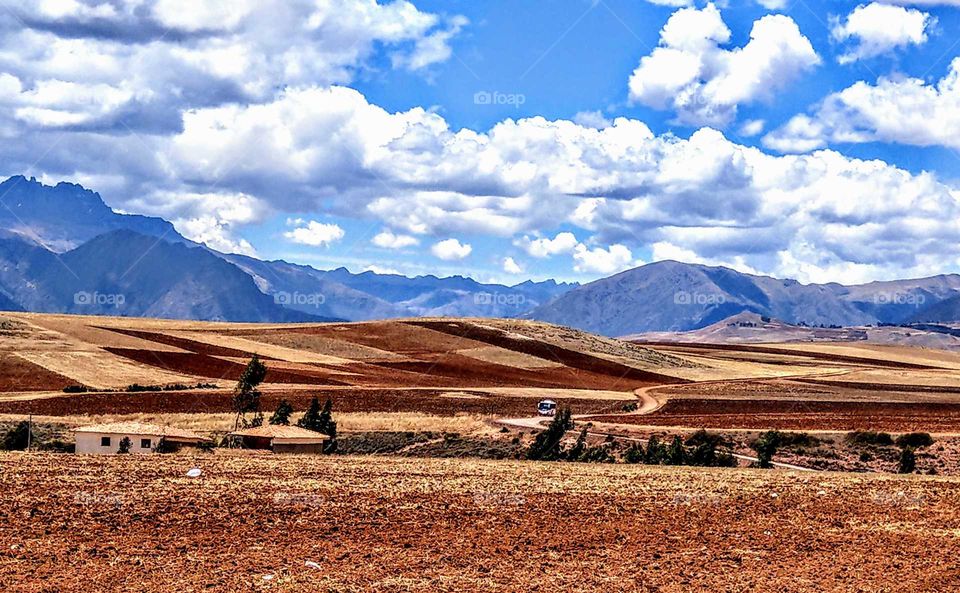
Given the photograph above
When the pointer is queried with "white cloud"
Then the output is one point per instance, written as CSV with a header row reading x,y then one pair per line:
x,y
451,250
141,64
773,4
315,234
388,240
753,127
901,110
592,119
598,260
691,73
511,267
880,29
564,242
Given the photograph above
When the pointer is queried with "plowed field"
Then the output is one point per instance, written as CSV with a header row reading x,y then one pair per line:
x,y
297,524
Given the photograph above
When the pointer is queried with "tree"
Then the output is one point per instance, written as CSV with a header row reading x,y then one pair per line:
x,y
321,420
125,445
546,445
579,448
766,447
282,414
246,397
908,461
311,418
656,452
676,454
17,437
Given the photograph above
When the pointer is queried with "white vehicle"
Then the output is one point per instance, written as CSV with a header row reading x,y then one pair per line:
x,y
547,407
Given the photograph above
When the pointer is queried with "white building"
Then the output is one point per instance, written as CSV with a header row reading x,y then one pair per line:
x,y
144,438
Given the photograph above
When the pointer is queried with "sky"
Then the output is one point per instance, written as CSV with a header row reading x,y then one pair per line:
x,y
506,140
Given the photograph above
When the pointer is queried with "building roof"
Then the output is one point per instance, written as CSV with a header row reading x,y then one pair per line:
x,y
279,431
140,428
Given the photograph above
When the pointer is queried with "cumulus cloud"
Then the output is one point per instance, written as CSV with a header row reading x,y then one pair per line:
x,y
562,243
388,240
236,155
451,250
313,233
704,83
902,110
121,65
599,260
511,267
879,29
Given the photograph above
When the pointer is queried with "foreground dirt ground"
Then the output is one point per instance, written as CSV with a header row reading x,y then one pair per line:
x,y
74,523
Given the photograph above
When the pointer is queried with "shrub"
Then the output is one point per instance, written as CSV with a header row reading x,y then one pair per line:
x,y
634,454
766,447
76,389
656,452
908,462
17,437
546,445
125,445
915,440
870,437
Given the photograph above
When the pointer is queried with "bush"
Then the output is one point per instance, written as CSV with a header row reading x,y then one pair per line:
x,y
17,437
915,440
870,437
125,445
766,447
546,445
908,462
76,389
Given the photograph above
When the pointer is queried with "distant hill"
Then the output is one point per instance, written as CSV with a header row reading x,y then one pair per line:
x,y
59,240
65,216
127,274
675,297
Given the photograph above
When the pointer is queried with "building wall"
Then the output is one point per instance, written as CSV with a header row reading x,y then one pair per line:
x,y
298,447
89,442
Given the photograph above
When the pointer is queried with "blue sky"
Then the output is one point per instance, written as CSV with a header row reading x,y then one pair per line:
x,y
507,140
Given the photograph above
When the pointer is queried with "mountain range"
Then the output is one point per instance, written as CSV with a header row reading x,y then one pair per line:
x,y
673,296
63,250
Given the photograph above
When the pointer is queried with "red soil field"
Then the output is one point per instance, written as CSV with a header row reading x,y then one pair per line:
x,y
350,400
799,415
203,365
17,374
291,524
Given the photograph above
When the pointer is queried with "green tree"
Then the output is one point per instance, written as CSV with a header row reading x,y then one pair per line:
x,y
908,461
311,418
321,420
246,396
546,445
125,445
677,453
656,452
576,453
282,414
